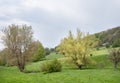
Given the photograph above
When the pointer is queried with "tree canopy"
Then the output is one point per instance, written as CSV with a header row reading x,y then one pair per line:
x,y
77,48
17,40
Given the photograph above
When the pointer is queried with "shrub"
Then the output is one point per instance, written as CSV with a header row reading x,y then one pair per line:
x,y
107,46
3,61
101,65
51,66
97,48
114,56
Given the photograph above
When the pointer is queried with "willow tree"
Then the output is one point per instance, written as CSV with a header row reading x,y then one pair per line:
x,y
77,48
17,39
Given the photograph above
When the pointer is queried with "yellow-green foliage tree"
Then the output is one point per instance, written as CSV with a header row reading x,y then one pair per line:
x,y
77,48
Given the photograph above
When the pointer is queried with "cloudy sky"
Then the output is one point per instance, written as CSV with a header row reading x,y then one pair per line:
x,y
52,19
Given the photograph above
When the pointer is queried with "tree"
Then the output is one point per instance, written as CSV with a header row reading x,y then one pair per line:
x,y
40,53
114,56
52,50
17,39
47,51
33,47
116,43
77,48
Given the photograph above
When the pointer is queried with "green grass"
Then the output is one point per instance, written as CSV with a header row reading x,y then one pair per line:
x,y
12,75
102,72
53,56
101,51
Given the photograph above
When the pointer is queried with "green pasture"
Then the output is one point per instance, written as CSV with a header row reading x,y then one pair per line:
x,y
101,72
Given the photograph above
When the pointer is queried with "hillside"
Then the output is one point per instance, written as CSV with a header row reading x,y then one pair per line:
x,y
109,37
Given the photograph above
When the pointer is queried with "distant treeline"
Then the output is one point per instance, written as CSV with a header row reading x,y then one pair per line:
x,y
109,37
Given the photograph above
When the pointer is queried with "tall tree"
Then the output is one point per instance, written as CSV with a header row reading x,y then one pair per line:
x,y
77,48
17,39
33,50
47,51
39,53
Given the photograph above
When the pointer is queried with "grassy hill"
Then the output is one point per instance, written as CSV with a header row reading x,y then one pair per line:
x,y
102,72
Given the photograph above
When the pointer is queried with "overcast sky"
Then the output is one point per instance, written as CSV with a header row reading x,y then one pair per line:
x,y
52,19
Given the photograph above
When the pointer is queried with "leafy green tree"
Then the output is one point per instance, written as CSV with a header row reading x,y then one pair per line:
x,y
40,53
47,51
116,43
77,48
33,47
52,50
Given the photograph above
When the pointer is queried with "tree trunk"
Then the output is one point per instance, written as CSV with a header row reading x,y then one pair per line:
x,y
21,68
20,64
80,67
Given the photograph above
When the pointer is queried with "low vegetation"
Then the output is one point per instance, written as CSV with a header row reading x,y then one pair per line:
x,y
114,57
51,66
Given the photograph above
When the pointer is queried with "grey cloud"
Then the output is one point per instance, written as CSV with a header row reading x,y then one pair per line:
x,y
51,26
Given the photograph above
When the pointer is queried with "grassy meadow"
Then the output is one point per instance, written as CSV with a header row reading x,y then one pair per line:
x,y
102,72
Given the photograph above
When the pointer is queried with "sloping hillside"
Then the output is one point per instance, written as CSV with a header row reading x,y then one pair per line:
x,y
109,37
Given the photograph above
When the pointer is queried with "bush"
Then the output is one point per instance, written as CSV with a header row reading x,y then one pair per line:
x,y
101,65
114,57
51,66
107,46
3,61
97,48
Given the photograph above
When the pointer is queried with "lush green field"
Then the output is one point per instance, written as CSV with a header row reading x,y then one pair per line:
x,y
11,75
101,51
102,72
